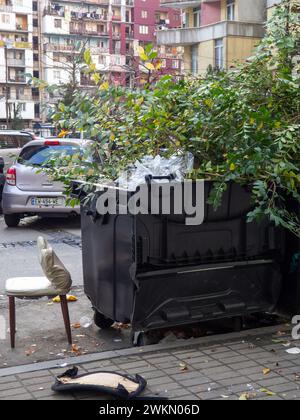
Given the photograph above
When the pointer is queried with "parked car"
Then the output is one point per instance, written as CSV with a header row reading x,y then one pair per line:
x,y
2,180
11,142
28,191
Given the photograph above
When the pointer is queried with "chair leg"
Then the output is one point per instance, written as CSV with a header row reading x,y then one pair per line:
x,y
12,320
65,312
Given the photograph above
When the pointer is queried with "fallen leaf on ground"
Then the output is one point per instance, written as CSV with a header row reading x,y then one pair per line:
x,y
75,348
121,326
29,352
245,396
267,392
70,298
281,333
76,325
183,367
266,371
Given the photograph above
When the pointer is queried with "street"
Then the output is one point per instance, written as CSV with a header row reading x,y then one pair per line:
x,y
18,255
40,330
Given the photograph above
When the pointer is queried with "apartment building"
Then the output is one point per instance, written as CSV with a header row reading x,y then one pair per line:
x,y
16,60
41,37
216,34
111,29
149,17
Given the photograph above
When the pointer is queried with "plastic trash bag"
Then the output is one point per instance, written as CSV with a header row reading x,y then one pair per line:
x,y
176,166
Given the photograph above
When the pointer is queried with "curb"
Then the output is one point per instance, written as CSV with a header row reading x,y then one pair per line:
x,y
94,357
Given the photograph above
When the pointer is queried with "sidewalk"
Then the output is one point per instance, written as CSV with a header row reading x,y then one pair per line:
x,y
247,365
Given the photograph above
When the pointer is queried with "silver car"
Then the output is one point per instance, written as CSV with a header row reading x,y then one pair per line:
x,y
29,192
11,142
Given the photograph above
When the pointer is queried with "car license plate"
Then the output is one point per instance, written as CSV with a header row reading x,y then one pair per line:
x,y
47,201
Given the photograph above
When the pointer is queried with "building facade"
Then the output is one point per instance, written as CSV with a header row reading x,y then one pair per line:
x,y
216,34
16,60
149,18
41,38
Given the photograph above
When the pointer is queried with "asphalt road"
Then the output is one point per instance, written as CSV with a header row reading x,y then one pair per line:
x,y
18,255
40,330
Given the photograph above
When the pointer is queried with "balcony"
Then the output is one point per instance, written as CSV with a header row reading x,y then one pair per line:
x,y
93,16
20,97
182,4
14,62
21,28
17,79
6,8
190,36
52,11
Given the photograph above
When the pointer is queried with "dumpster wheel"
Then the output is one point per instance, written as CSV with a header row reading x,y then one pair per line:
x,y
101,321
145,338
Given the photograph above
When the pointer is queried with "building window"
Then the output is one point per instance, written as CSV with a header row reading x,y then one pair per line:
x,y
35,41
57,23
56,74
219,50
230,9
186,20
144,30
195,59
5,18
144,14
36,110
197,17
175,64
35,6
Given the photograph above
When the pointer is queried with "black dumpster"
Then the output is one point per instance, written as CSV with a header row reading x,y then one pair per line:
x,y
154,271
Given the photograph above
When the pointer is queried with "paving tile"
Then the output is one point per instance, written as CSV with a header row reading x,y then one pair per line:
x,y
11,392
8,379
234,381
32,375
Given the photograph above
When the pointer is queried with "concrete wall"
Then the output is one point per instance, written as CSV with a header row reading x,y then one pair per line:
x,y
27,114
239,49
206,56
246,10
251,11
210,13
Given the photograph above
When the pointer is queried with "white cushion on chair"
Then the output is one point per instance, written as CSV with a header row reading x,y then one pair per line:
x,y
57,280
30,287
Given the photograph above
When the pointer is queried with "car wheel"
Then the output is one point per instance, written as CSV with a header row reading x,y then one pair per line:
x,y
102,322
12,220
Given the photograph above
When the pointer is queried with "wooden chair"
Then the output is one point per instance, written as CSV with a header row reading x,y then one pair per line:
x,y
57,281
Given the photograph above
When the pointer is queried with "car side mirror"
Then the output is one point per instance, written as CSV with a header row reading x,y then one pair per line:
x,y
1,165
